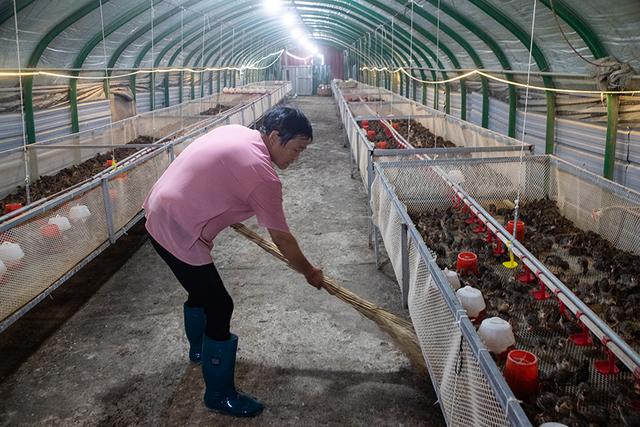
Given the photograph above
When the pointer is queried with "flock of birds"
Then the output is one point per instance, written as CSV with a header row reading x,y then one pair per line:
x,y
604,277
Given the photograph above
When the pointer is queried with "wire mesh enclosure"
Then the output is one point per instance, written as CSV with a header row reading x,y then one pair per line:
x,y
364,104
165,123
48,241
572,305
470,388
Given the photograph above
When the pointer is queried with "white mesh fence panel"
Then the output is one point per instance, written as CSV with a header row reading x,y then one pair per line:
x,y
389,222
590,202
49,252
596,204
128,190
363,159
465,395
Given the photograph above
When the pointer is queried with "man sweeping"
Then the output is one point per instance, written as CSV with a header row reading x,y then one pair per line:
x,y
222,178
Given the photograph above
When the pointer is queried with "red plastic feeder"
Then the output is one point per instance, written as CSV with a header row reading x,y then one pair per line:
x,y
519,229
50,231
10,207
521,373
396,126
583,338
526,276
541,293
364,124
382,145
498,249
561,306
371,134
387,131
467,263
607,366
110,163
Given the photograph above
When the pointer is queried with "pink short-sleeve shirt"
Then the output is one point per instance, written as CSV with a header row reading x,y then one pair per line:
x,y
222,178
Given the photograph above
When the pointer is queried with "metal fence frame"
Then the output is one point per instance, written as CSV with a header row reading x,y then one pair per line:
x,y
409,235
551,164
247,115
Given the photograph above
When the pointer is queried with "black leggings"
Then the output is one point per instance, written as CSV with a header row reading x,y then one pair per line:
x,y
205,289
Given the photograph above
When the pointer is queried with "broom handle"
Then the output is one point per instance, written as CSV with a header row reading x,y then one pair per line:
x,y
360,304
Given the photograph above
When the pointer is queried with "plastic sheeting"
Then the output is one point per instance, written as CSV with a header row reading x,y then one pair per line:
x,y
616,27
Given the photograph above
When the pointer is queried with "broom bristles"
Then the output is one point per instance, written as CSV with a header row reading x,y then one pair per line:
x,y
399,329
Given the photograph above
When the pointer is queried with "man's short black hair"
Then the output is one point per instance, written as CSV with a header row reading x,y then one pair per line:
x,y
289,122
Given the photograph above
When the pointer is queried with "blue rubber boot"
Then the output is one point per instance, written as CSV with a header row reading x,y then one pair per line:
x,y
218,369
194,323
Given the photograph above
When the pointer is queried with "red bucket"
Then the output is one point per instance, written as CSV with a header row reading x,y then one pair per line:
x,y
519,230
10,207
467,263
521,373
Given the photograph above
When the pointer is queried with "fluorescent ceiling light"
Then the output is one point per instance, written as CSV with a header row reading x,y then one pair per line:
x,y
272,6
289,19
296,33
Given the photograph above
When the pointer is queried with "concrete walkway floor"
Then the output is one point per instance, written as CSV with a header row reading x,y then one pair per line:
x,y
121,359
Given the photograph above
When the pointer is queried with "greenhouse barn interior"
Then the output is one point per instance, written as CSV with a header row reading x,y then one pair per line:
x,y
344,212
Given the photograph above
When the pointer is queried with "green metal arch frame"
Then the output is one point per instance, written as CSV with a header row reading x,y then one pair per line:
x,y
146,49
197,37
208,59
421,48
613,101
380,19
338,43
326,40
447,51
275,37
563,11
538,56
37,54
245,53
161,18
497,51
344,45
575,21
145,29
478,63
345,32
7,12
211,54
86,50
419,55
168,33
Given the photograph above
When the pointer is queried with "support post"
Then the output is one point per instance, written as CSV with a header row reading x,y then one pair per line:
x,y
550,135
73,106
404,249
166,90
613,107
108,208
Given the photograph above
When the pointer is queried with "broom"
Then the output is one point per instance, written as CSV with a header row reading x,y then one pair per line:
x,y
400,330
